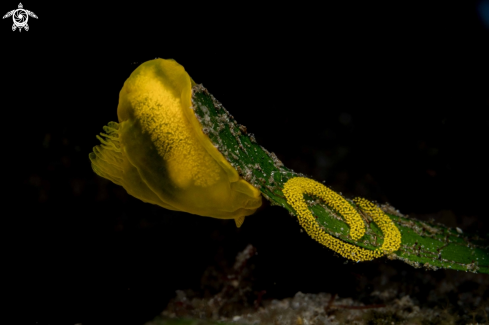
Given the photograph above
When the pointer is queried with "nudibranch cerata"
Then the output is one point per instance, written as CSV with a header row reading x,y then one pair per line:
x,y
159,153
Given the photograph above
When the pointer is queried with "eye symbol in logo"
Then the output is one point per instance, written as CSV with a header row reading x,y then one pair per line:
x,y
20,17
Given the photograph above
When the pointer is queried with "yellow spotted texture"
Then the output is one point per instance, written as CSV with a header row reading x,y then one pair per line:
x,y
392,235
296,187
294,190
152,96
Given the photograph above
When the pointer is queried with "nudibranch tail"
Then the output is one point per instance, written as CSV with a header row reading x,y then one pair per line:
x,y
239,221
159,153
294,190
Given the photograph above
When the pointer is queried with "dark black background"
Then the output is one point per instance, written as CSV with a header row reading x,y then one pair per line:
x,y
386,101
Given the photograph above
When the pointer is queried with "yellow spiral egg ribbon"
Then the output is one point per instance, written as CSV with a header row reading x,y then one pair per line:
x,y
392,235
294,190
159,153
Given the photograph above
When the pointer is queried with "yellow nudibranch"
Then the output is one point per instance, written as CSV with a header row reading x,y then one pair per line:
x,y
159,153
294,190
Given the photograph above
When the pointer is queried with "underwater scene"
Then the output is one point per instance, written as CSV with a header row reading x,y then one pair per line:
x,y
241,164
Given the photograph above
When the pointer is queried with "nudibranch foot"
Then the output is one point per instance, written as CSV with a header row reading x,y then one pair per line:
x,y
294,190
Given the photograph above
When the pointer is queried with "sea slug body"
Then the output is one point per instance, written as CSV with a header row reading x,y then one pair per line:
x,y
159,153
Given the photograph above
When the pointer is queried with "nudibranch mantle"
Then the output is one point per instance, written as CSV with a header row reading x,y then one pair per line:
x,y
296,187
159,153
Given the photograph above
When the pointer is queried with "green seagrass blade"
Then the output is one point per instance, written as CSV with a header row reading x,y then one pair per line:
x,y
423,244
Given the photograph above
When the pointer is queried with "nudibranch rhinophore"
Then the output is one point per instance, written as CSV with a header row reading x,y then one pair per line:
x,y
159,153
